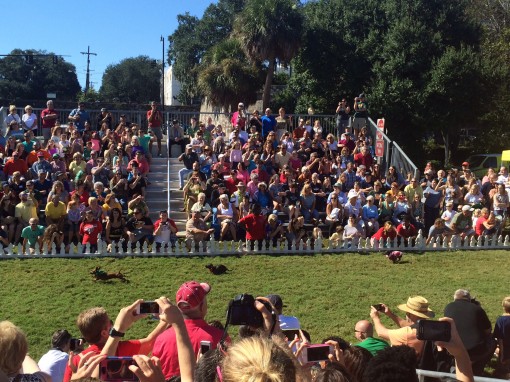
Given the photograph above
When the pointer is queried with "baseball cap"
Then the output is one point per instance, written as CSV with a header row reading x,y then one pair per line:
x,y
465,164
276,300
191,294
466,207
55,156
40,154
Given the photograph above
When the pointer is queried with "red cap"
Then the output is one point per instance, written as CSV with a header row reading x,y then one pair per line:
x,y
191,294
465,164
40,154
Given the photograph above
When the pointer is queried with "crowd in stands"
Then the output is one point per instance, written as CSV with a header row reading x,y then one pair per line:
x,y
304,177
269,345
82,178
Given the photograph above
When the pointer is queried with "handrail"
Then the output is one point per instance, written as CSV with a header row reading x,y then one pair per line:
x,y
169,191
436,374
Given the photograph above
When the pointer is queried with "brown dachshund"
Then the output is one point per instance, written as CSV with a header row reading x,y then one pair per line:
x,y
99,274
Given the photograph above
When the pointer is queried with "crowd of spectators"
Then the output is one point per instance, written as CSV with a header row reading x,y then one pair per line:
x,y
269,346
304,177
83,178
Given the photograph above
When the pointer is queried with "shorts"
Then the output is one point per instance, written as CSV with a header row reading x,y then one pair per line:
x,y
46,132
158,132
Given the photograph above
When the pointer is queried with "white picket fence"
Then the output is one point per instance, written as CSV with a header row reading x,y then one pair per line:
x,y
229,248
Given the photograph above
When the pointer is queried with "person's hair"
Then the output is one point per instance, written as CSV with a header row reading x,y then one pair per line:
x,y
506,304
355,360
91,323
13,347
394,364
57,183
48,234
205,370
333,372
258,359
462,294
60,339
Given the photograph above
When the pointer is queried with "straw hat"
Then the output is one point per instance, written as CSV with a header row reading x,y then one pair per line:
x,y
417,305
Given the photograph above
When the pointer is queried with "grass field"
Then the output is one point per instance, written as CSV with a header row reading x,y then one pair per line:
x,y
328,293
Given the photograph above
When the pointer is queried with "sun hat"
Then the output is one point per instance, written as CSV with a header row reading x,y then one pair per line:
x,y
417,305
191,294
352,194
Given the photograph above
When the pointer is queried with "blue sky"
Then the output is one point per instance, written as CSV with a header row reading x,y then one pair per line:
x,y
114,29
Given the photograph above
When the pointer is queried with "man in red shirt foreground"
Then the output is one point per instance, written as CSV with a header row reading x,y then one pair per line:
x,y
96,327
191,299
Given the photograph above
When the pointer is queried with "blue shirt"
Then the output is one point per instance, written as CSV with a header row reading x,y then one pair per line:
x,y
84,116
268,124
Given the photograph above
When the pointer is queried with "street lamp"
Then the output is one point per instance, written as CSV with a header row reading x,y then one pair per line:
x,y
162,73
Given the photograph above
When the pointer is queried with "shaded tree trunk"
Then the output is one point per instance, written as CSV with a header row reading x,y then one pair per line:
x,y
266,97
447,153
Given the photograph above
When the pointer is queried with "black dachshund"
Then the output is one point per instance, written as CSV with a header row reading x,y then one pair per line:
x,y
217,269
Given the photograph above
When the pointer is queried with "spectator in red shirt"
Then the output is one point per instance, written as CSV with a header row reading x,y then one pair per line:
x,y
90,230
263,174
255,225
406,231
49,117
96,329
364,158
191,299
15,164
386,232
143,164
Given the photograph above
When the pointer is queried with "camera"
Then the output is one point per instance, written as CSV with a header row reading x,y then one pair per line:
x,y
242,311
379,307
434,330
205,346
148,307
116,369
316,353
75,344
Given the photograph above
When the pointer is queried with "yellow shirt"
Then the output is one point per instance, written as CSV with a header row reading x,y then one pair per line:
x,y
25,211
55,212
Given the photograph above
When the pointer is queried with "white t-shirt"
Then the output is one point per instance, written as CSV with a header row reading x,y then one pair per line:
x,y
54,363
29,120
447,216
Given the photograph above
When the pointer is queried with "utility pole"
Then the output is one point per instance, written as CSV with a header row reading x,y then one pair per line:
x,y
87,80
163,75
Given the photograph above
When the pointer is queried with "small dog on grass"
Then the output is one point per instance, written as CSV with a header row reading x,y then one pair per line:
x,y
394,256
99,274
217,269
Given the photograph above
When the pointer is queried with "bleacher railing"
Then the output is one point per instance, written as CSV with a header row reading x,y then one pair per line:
x,y
282,247
436,374
393,154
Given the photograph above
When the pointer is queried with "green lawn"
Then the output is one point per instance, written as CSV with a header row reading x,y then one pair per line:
x,y
328,293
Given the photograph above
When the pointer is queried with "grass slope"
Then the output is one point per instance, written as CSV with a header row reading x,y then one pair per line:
x,y
328,293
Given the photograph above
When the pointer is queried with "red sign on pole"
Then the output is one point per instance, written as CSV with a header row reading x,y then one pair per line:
x,y
379,148
380,123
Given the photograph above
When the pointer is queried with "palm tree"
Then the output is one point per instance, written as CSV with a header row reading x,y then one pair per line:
x,y
226,76
269,30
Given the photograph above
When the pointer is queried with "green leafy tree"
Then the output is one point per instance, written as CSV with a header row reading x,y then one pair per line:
x,y
193,37
19,79
453,76
227,77
269,30
132,80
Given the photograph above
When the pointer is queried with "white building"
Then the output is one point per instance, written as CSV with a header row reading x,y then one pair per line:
x,y
172,88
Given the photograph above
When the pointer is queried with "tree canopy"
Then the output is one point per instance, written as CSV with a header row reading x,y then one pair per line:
x,y
132,80
44,73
